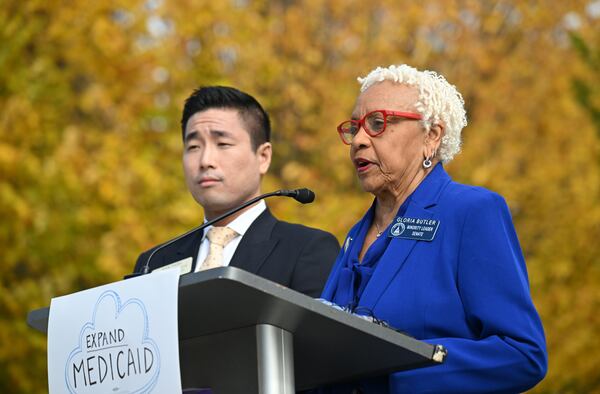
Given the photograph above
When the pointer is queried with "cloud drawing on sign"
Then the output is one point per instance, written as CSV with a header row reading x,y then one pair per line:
x,y
115,353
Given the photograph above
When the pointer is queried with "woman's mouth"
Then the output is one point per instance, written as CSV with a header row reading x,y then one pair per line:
x,y
362,165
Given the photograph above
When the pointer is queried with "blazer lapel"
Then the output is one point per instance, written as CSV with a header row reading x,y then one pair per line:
x,y
392,261
425,196
256,244
188,247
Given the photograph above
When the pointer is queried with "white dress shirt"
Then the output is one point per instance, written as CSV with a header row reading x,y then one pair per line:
x,y
240,225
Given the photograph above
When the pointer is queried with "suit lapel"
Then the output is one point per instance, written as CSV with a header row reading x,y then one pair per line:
x,y
189,247
425,197
392,261
256,244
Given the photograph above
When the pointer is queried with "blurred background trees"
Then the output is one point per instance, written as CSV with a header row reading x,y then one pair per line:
x,y
90,145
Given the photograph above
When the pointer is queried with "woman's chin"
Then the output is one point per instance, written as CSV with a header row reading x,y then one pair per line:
x,y
370,187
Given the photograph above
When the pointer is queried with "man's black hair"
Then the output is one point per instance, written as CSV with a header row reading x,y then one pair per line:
x,y
225,97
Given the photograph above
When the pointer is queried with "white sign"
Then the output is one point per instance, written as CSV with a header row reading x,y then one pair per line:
x,y
117,338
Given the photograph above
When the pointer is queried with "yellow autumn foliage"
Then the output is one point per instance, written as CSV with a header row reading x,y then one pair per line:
x,y
90,144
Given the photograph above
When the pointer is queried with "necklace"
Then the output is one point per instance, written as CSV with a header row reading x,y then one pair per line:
x,y
377,227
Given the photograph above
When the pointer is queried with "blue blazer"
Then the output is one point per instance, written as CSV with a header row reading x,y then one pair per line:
x,y
467,289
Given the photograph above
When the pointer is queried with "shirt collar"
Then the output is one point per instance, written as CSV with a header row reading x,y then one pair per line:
x,y
241,224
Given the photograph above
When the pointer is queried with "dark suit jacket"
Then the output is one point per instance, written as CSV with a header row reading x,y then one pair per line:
x,y
292,255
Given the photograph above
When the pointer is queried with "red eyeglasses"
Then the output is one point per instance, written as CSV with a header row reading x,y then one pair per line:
x,y
374,123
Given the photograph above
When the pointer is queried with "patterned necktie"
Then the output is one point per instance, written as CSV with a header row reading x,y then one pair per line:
x,y
218,237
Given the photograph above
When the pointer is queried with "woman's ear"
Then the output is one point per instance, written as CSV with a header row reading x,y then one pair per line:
x,y
433,139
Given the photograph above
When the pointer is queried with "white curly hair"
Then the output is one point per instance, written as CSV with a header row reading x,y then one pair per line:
x,y
439,102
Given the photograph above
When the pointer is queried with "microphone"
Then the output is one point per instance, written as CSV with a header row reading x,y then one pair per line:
x,y
304,196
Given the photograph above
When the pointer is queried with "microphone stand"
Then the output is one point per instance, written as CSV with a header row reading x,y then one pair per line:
x,y
302,195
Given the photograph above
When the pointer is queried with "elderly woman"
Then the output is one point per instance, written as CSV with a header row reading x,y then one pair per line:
x,y
431,257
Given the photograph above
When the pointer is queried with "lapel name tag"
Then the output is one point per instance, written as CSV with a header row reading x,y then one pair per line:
x,y
184,266
413,228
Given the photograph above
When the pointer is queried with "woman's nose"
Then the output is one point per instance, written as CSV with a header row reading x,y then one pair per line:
x,y
361,138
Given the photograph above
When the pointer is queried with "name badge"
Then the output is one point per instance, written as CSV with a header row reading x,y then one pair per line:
x,y
184,266
414,228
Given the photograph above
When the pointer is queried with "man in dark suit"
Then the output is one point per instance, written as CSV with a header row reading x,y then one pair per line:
x,y
226,137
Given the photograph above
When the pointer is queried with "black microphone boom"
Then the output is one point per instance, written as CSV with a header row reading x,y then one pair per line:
x,y
303,196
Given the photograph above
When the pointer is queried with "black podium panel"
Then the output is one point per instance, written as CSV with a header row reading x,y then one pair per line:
x,y
220,308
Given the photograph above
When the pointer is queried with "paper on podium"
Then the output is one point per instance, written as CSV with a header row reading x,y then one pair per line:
x,y
117,338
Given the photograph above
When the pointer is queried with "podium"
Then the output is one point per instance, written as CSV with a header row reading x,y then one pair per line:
x,y
240,333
